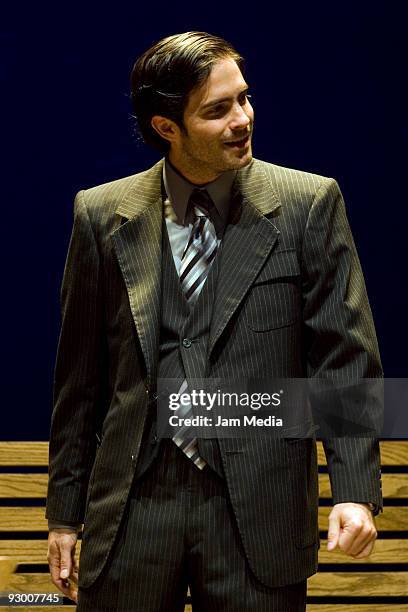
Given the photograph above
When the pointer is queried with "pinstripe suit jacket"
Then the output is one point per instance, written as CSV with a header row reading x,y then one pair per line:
x,y
290,302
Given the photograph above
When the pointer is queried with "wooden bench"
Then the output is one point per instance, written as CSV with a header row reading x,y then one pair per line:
x,y
379,583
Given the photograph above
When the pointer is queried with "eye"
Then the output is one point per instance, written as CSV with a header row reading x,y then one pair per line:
x,y
243,99
217,111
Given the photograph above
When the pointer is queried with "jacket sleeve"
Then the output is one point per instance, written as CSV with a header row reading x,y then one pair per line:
x,y
340,338
80,374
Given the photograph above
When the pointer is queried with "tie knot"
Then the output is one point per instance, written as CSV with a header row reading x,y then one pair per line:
x,y
201,199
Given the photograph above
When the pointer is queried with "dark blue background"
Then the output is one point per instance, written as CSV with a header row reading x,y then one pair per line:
x,y
327,85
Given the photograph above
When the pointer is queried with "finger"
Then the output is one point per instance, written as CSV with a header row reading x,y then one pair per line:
x,y
73,593
368,534
54,563
367,550
333,532
65,558
349,533
66,587
74,575
63,586
74,569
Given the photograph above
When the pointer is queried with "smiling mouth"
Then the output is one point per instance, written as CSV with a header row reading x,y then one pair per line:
x,y
239,143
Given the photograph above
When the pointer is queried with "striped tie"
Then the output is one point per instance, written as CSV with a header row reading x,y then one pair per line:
x,y
196,261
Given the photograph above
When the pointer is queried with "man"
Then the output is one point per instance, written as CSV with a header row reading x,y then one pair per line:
x,y
210,264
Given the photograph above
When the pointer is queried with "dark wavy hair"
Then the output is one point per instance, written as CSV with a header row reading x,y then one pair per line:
x,y
165,75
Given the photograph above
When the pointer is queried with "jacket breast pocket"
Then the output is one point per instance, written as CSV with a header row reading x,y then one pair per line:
x,y
274,299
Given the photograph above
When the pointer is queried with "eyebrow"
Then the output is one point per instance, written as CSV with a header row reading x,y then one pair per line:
x,y
220,100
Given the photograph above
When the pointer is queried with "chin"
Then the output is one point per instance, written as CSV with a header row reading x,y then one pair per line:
x,y
244,160
234,163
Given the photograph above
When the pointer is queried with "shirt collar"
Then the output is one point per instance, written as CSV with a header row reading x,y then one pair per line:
x,y
179,189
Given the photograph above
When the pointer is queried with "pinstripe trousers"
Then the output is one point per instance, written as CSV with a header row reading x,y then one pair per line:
x,y
179,530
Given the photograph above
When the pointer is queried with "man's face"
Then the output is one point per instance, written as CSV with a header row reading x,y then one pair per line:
x,y
218,123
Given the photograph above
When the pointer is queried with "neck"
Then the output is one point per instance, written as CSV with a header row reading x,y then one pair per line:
x,y
195,175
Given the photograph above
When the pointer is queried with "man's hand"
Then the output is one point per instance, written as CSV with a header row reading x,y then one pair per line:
x,y
62,562
352,528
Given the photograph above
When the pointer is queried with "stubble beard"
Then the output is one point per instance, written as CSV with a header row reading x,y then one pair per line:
x,y
216,164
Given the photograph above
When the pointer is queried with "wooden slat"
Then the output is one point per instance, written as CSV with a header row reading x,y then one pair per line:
x,y
385,551
35,485
32,519
23,485
393,485
370,584
39,608
309,608
27,551
7,567
357,608
22,519
325,584
392,453
23,453
36,453
32,583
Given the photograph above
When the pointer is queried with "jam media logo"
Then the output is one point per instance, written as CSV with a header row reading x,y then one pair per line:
x,y
249,421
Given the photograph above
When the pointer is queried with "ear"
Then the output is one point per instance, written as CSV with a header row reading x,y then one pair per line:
x,y
166,128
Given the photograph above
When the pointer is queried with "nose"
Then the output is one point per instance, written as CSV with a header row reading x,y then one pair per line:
x,y
241,120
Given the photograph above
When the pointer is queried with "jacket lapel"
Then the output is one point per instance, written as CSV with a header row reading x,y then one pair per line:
x,y
248,240
138,246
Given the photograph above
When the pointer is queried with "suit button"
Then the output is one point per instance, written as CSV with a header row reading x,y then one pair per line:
x,y
187,342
